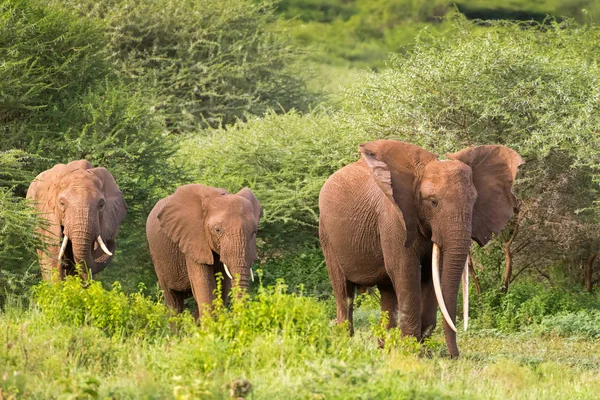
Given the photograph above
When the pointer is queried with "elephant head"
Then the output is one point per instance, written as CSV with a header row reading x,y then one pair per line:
x,y
207,223
84,208
468,196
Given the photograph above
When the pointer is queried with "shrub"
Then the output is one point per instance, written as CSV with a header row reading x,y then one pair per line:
x,y
528,305
18,237
585,323
207,62
117,314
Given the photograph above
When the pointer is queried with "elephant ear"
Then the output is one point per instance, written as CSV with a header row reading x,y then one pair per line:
x,y
183,217
44,190
247,194
494,169
115,208
395,167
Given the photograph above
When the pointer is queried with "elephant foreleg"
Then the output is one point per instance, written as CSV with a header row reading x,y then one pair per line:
x,y
202,280
174,300
389,305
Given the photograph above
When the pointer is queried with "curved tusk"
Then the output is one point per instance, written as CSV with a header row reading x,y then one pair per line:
x,y
251,275
103,246
435,274
63,247
227,271
465,293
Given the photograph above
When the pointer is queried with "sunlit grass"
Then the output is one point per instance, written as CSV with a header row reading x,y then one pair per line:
x,y
275,345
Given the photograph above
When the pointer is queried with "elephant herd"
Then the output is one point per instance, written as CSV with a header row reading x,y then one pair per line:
x,y
399,219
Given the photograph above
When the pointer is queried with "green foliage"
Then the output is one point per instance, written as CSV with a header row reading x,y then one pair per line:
x,y
302,267
584,323
206,62
18,223
527,305
363,32
274,345
71,302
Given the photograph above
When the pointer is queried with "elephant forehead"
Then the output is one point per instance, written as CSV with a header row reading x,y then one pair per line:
x,y
81,178
231,204
447,171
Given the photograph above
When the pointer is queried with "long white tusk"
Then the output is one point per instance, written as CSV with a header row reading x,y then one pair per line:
x,y
465,292
251,275
435,274
227,271
63,247
103,246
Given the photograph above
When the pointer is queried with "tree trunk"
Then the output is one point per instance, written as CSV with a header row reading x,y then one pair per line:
x,y
589,269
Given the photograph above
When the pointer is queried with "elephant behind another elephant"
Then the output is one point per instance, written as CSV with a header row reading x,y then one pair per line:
x,y
197,232
84,209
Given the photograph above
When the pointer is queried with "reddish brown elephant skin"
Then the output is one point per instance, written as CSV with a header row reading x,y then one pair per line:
x,y
192,232
81,202
380,216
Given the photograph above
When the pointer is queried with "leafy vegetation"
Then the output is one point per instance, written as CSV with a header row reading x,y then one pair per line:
x,y
274,345
165,92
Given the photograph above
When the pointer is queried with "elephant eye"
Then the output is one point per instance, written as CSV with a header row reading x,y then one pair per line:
x,y
101,204
434,202
217,230
62,202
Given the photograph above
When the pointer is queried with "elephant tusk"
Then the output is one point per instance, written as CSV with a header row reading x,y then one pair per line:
x,y
227,271
465,292
435,273
251,275
63,247
103,246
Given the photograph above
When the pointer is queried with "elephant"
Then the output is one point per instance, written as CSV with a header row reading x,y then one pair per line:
x,y
83,208
387,220
197,232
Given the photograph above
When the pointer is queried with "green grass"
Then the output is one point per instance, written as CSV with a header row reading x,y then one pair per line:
x,y
281,345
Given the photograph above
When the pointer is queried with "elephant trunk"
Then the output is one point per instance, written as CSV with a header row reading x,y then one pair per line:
x,y
454,257
83,232
238,261
82,249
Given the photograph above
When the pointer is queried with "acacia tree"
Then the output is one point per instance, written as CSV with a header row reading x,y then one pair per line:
x,y
206,62
533,87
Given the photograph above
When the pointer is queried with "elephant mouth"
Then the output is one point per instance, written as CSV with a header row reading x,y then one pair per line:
x,y
99,255
100,251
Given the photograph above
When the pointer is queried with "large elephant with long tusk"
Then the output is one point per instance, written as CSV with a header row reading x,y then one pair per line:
x,y
84,208
398,216
199,231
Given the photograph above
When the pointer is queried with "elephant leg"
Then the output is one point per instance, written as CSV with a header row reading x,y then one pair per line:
x,y
343,290
174,300
428,308
389,304
405,272
202,280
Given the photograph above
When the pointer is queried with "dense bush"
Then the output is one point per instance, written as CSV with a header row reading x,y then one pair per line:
x,y
206,62
583,323
76,303
17,229
528,305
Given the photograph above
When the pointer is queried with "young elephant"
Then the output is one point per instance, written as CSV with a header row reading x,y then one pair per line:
x,y
197,232
388,219
84,209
